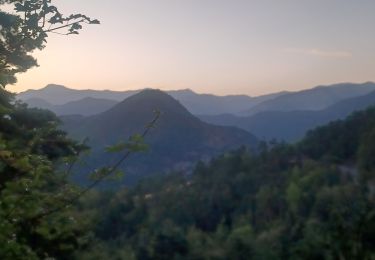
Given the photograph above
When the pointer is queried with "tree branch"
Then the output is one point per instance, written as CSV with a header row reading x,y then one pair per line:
x,y
63,26
101,178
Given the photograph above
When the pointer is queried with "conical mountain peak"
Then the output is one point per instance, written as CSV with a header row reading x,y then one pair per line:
x,y
147,101
178,138
55,87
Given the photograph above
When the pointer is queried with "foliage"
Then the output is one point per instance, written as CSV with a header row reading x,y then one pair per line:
x,y
27,30
31,148
38,204
283,202
36,217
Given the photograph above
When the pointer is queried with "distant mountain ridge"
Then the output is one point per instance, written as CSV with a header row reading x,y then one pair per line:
x,y
213,104
86,106
57,95
286,116
317,98
54,97
178,140
292,125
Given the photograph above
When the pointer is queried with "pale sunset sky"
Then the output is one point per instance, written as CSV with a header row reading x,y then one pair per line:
x,y
211,46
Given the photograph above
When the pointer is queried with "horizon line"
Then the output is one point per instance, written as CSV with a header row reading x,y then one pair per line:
x,y
199,93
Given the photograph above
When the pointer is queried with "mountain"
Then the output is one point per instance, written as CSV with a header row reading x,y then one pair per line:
x,y
59,95
87,106
212,105
291,126
317,98
196,103
178,140
40,103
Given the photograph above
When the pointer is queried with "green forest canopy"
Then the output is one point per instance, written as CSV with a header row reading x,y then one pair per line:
x,y
312,200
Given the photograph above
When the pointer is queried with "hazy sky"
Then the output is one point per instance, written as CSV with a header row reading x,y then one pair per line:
x,y
218,46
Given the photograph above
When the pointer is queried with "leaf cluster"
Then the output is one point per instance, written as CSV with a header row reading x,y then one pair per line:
x,y
27,30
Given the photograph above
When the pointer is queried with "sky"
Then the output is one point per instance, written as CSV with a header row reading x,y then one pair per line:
x,y
223,47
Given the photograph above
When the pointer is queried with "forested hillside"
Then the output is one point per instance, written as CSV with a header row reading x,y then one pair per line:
x,y
176,142
312,200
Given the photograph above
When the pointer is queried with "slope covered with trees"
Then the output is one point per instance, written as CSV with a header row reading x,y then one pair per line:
x,y
177,141
313,200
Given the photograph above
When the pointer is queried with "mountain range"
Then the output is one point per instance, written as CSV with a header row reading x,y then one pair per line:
x,y
58,99
292,125
317,98
65,101
178,140
285,115
86,106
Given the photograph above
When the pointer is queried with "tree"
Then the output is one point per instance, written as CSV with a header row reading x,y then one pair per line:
x,y
27,30
32,147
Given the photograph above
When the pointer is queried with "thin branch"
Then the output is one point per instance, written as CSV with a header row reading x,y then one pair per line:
x,y
63,26
73,163
101,178
44,20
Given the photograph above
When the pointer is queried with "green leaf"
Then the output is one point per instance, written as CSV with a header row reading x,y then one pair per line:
x,y
137,138
116,148
19,7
